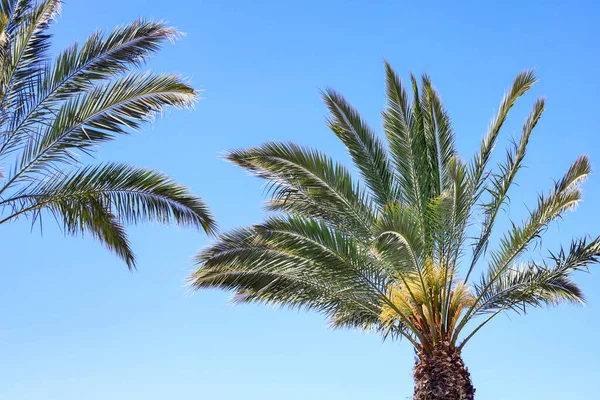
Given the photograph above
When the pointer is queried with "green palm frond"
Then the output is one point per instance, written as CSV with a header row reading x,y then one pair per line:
x,y
114,194
30,42
522,83
78,69
54,112
580,255
407,145
439,134
421,144
99,115
365,148
307,182
534,286
88,215
448,214
297,262
528,285
254,260
102,56
398,242
501,183
565,196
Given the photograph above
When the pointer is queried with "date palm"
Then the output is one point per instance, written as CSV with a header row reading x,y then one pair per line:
x,y
394,251
54,113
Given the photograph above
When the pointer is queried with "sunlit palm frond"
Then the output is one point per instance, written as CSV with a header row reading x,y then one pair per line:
x,y
564,196
29,44
522,83
398,242
126,194
259,264
439,135
98,116
407,150
308,182
501,182
532,285
55,113
365,148
25,43
527,285
80,68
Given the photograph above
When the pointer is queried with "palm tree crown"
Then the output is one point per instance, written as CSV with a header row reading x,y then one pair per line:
x,y
392,252
52,112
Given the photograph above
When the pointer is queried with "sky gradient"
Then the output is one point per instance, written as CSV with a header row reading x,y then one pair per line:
x,y
75,324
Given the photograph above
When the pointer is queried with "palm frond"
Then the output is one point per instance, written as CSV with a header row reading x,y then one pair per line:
x,y
110,195
78,69
408,146
565,196
270,250
24,55
439,136
307,182
579,256
30,42
135,195
527,285
448,214
365,148
103,57
300,263
16,11
501,183
522,83
89,215
98,116
532,285
54,112
398,242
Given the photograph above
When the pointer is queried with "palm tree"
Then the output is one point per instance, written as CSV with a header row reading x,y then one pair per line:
x,y
394,251
53,113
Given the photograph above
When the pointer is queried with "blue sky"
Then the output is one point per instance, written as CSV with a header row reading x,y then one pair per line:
x,y
75,324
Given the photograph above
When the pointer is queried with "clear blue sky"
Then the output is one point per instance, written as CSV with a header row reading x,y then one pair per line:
x,y
75,324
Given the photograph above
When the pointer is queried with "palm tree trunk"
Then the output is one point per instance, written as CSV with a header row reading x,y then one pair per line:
x,y
441,375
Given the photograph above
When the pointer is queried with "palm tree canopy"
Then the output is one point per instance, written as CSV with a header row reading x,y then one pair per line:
x,y
54,112
393,251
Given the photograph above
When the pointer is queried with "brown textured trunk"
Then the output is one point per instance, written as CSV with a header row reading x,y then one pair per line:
x,y
442,375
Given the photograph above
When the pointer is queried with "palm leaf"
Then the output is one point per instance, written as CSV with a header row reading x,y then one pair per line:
x,y
440,138
366,150
115,194
522,83
564,196
501,183
54,112
404,130
309,183
78,69
98,116
533,285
